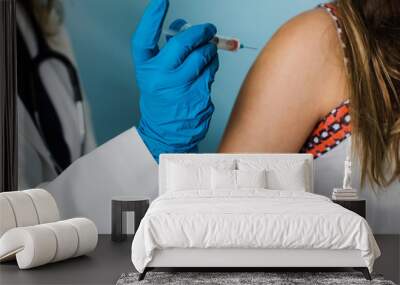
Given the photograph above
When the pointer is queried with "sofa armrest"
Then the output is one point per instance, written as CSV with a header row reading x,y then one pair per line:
x,y
37,245
26,208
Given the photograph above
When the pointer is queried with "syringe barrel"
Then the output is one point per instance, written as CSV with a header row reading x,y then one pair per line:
x,y
229,44
225,43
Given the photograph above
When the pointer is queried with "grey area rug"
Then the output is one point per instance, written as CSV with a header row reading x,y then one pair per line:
x,y
268,278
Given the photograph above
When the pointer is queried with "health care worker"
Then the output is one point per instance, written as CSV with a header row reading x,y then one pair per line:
x,y
56,146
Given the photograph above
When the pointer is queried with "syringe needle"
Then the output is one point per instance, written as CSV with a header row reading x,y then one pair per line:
x,y
247,47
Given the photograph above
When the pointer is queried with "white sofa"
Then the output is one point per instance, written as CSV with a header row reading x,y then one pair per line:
x,y
31,231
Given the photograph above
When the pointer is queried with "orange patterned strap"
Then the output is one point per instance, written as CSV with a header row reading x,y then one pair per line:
x,y
329,132
332,10
330,6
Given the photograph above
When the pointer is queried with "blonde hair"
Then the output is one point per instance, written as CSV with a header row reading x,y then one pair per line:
x,y
48,13
372,29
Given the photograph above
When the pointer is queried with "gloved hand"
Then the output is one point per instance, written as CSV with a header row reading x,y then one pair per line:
x,y
174,82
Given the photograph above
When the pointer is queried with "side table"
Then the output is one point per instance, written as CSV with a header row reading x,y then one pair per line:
x,y
357,206
119,205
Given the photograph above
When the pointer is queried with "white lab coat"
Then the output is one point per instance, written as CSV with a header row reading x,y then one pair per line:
x,y
122,166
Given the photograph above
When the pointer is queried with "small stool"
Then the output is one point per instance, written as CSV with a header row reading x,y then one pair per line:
x,y
122,204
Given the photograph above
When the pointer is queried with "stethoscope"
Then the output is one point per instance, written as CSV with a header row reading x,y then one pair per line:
x,y
44,55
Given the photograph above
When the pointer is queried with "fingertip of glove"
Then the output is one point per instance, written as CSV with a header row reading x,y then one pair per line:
x,y
159,3
177,24
157,8
211,29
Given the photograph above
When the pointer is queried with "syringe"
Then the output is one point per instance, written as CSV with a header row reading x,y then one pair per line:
x,y
225,43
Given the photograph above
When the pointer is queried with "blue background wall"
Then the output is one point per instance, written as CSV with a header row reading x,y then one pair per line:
x,y
100,31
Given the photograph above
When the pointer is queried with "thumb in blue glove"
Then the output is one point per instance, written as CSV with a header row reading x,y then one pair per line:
x,y
175,83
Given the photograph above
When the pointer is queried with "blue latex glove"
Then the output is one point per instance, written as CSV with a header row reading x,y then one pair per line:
x,y
174,82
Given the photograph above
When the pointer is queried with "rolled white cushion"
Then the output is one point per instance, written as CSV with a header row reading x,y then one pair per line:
x,y
67,239
7,218
46,207
23,208
26,208
33,246
37,245
87,233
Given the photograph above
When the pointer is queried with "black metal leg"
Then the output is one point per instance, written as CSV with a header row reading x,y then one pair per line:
x,y
364,271
117,221
142,275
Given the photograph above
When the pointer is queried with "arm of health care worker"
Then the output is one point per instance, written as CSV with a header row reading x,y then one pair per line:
x,y
176,110
175,83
